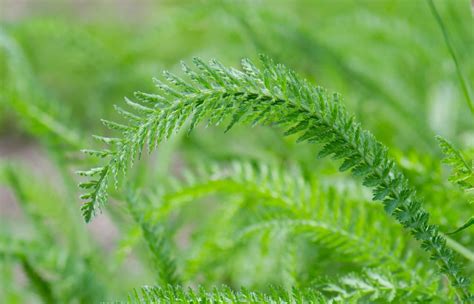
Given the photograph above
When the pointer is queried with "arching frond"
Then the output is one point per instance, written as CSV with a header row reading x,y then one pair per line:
x,y
271,95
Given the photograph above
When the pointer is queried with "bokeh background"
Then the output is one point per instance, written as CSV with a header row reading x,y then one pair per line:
x,y
65,63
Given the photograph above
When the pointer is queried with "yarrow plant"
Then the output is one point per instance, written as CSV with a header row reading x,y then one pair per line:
x,y
238,182
268,95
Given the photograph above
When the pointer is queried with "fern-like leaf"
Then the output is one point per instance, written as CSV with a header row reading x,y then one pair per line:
x,y
372,286
275,94
375,286
223,294
462,169
155,236
462,173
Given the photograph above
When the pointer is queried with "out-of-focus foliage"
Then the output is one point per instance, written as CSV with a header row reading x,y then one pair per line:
x,y
64,64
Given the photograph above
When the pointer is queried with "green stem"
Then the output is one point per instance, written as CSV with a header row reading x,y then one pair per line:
x,y
462,80
465,252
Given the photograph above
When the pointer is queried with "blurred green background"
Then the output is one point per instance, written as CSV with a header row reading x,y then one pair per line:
x,y
64,64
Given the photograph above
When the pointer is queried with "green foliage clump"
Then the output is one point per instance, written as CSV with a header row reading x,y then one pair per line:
x,y
247,215
273,95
